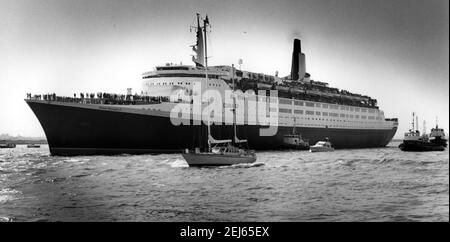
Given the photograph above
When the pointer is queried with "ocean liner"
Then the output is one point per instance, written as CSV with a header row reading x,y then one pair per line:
x,y
105,123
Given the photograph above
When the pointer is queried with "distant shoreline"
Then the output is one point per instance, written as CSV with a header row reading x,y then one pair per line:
x,y
44,141
24,141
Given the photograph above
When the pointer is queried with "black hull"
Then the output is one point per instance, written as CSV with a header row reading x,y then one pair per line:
x,y
439,141
84,131
294,147
415,145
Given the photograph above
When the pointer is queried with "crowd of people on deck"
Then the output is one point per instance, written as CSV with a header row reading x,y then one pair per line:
x,y
100,98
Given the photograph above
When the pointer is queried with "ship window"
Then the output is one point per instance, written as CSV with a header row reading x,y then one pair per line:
x,y
364,117
171,68
285,101
318,105
284,110
318,113
324,114
309,112
357,109
324,105
363,110
298,111
342,115
180,75
298,103
351,109
308,104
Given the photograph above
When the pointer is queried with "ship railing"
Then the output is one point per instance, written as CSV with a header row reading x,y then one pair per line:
x,y
114,100
391,119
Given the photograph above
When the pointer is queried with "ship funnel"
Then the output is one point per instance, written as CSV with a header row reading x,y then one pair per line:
x,y
298,67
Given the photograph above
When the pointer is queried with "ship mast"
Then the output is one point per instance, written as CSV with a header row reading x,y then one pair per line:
x,y
293,129
205,25
417,123
234,110
199,59
424,130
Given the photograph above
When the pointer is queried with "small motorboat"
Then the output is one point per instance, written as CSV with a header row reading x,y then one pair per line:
x,y
322,146
33,146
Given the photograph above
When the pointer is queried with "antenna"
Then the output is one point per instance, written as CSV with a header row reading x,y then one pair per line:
x,y
424,130
417,122
234,110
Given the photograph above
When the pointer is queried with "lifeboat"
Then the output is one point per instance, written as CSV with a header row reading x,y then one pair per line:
x,y
282,88
262,85
295,90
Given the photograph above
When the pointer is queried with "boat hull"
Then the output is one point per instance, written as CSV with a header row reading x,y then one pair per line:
x,y
320,149
73,130
208,159
417,145
295,147
7,146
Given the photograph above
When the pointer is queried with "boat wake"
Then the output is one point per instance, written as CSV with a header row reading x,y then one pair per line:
x,y
8,194
179,163
246,165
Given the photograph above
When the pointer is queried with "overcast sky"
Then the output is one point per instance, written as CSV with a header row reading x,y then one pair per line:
x,y
394,51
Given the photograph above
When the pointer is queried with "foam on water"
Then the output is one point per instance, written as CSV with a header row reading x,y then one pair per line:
x,y
248,165
382,184
7,194
179,163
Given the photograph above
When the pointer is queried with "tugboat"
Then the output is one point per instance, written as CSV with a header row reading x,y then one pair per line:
x,y
437,136
8,145
413,141
322,146
295,141
224,152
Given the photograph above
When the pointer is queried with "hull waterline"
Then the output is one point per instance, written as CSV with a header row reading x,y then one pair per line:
x,y
72,130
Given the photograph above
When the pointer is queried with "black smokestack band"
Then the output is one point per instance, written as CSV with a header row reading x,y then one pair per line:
x,y
295,59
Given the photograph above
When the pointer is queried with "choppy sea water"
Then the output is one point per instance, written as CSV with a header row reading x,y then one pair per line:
x,y
383,184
